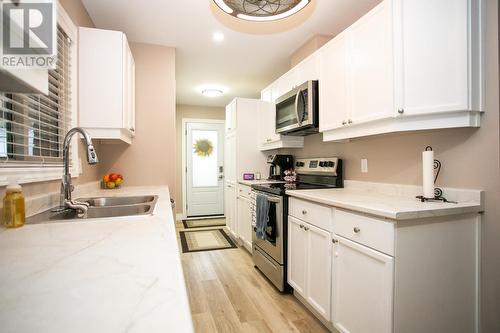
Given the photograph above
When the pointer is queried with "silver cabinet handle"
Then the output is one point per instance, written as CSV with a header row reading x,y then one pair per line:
x,y
401,111
357,229
306,228
132,129
349,121
344,123
301,226
304,212
335,241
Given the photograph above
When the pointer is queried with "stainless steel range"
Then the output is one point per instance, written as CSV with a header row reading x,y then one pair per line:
x,y
270,254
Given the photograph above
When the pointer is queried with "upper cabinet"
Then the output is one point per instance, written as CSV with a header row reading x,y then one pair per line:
x,y
106,85
406,65
309,69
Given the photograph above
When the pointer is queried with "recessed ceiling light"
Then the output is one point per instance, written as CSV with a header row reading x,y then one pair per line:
x,y
212,92
263,10
218,36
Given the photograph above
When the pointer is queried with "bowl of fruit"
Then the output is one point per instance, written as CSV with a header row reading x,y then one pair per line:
x,y
112,180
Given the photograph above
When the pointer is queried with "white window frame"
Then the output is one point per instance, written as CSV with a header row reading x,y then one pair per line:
x,y
32,174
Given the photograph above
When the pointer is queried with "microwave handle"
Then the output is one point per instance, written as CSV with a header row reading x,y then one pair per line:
x,y
297,107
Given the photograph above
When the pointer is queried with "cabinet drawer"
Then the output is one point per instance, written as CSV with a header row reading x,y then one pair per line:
x,y
375,233
310,212
244,191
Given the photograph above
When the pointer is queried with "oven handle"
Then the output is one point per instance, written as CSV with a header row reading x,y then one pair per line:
x,y
297,107
275,200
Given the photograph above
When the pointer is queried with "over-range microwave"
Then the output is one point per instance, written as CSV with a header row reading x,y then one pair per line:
x,y
297,111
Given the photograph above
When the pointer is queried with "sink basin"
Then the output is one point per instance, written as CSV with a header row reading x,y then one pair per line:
x,y
101,207
117,201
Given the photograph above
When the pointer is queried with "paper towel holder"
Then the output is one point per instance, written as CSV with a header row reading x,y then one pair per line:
x,y
438,193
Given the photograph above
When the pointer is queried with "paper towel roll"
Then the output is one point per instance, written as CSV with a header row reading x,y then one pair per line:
x,y
428,173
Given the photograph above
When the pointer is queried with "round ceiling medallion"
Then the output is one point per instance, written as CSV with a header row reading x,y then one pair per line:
x,y
261,10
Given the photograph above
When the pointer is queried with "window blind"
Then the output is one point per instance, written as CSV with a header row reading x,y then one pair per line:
x,y
33,126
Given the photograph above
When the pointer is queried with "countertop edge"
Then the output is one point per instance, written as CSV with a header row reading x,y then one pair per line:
x,y
396,216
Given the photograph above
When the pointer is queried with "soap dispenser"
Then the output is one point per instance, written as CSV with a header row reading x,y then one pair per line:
x,y
14,212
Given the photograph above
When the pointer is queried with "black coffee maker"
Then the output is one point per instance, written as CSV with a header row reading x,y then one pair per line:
x,y
278,165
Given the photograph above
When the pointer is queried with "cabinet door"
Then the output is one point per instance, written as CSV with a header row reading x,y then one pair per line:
x,y
244,214
362,288
308,69
434,51
230,207
319,270
231,116
267,128
371,73
297,247
286,83
334,109
230,157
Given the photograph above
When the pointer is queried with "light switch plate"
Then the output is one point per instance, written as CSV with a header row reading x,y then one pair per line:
x,y
364,165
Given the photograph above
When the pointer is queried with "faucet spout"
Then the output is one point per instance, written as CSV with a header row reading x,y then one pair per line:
x,y
66,186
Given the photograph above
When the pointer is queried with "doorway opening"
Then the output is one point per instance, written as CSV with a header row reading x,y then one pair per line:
x,y
203,168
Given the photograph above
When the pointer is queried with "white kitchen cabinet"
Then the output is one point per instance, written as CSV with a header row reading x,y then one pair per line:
x,y
319,269
231,116
244,219
241,155
406,65
106,85
439,56
309,264
297,256
379,284
308,69
230,208
370,66
362,288
334,103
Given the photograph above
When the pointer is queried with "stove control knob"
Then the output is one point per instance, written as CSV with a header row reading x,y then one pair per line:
x,y
331,164
321,164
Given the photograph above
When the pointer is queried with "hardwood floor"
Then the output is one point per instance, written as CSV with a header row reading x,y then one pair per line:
x,y
227,294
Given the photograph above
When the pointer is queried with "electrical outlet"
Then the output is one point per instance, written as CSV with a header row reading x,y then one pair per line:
x,y
364,165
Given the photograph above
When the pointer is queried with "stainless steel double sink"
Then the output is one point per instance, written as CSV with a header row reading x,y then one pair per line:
x,y
101,207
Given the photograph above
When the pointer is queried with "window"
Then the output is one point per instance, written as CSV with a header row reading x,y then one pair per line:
x,y
33,126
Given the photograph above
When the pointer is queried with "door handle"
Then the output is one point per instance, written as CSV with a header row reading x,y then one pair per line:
x,y
297,107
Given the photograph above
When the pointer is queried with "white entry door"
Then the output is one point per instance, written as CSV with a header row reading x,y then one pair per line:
x,y
204,169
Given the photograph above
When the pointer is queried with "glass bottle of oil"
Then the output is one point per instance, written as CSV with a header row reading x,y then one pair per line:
x,y
14,212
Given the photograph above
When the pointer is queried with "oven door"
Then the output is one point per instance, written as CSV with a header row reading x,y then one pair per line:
x,y
295,110
273,244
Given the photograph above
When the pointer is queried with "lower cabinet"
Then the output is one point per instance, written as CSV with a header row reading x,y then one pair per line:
x,y
230,208
362,297
309,268
244,221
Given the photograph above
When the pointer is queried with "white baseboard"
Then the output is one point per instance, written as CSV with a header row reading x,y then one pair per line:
x,y
179,217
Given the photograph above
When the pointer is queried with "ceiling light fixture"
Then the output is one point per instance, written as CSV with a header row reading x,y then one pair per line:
x,y
261,10
218,37
212,92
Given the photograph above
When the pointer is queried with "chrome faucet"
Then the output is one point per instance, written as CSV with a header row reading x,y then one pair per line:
x,y
66,186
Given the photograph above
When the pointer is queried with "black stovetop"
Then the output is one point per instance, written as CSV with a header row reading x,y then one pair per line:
x,y
280,188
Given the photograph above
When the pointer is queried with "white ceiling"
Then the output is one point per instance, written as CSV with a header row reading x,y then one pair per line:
x,y
244,63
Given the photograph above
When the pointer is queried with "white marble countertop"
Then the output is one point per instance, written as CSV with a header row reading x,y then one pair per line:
x,y
396,202
106,275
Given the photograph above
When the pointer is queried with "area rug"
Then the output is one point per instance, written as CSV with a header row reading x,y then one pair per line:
x,y
205,240
203,223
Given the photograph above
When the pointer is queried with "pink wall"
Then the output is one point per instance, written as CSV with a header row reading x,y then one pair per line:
x,y
150,159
